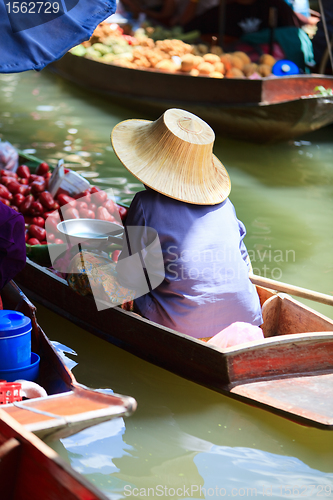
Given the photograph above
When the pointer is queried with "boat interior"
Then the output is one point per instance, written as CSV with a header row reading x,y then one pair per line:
x,y
284,316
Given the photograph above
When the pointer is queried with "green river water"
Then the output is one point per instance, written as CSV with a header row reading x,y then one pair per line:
x,y
185,441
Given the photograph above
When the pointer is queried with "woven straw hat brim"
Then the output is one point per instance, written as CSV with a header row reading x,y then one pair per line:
x,y
166,161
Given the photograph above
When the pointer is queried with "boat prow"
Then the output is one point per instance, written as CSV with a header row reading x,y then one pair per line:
x,y
69,407
31,469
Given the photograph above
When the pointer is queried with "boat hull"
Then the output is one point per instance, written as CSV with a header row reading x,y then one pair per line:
x,y
276,358
297,350
265,110
69,407
31,469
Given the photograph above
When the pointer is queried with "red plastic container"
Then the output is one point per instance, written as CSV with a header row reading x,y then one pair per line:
x,y
9,392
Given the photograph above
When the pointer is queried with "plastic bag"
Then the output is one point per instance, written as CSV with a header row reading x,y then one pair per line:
x,y
235,334
8,157
31,390
71,181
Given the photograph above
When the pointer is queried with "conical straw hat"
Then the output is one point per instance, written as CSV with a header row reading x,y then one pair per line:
x,y
174,156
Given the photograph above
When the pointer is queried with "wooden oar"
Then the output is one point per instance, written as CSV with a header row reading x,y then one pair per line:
x,y
291,289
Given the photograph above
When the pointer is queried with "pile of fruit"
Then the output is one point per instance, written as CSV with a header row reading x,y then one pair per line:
x,y
174,33
110,45
27,193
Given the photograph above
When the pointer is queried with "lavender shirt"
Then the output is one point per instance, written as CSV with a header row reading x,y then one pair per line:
x,y
12,244
206,285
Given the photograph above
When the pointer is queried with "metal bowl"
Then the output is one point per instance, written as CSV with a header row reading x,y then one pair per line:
x,y
91,231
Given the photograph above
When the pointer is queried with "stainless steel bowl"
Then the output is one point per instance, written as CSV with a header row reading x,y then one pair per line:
x,y
90,231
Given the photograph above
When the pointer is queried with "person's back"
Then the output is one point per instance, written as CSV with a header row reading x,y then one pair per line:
x,y
185,226
206,285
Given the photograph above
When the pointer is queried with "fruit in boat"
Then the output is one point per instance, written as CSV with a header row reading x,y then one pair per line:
x,y
267,59
216,49
226,59
167,65
188,62
249,69
244,57
219,67
211,58
216,74
205,68
110,45
237,62
234,73
264,70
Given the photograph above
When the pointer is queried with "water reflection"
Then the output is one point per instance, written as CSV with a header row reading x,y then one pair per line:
x,y
290,164
262,474
187,466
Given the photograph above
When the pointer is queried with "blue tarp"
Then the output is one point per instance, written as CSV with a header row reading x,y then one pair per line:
x,y
34,33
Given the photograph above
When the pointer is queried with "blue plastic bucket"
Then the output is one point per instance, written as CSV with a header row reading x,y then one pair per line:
x,y
15,340
29,372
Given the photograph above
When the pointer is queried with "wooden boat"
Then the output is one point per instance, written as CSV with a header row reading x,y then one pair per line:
x,y
69,406
289,373
31,469
265,110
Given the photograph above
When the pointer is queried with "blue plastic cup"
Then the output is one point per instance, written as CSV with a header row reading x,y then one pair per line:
x,y
29,372
15,340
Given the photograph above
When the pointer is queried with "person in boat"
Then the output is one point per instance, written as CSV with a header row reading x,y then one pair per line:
x,y
303,11
205,285
321,51
241,17
180,12
12,244
252,26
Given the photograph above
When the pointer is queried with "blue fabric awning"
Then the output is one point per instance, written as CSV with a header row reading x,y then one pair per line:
x,y
35,33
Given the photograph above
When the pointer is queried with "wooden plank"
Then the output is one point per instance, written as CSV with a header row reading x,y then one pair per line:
x,y
303,396
287,88
283,315
64,405
301,354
